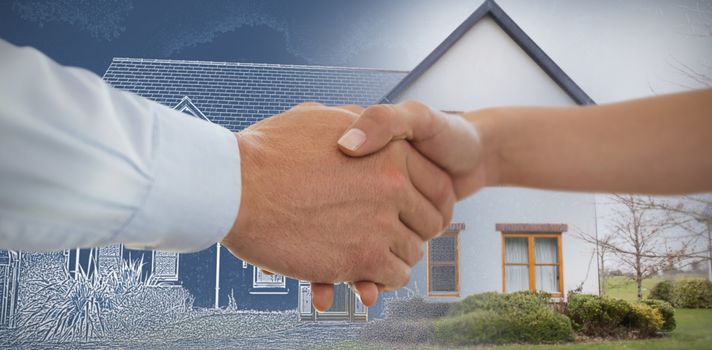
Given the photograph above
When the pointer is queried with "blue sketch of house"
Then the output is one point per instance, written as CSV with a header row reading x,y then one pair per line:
x,y
236,95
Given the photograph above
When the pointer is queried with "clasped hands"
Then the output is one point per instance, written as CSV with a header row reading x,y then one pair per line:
x,y
343,194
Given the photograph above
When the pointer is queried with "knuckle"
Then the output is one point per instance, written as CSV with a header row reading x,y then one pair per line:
x,y
415,106
310,104
416,251
378,113
403,278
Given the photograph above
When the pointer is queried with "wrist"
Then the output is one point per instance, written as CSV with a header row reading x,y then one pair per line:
x,y
488,122
233,239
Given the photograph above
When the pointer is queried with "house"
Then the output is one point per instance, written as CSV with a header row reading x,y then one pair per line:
x,y
235,95
501,239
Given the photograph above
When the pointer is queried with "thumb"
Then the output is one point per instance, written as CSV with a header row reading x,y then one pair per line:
x,y
380,124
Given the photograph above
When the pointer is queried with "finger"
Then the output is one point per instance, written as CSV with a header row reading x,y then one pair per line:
x,y
322,295
394,274
436,187
407,245
352,108
367,292
379,124
268,273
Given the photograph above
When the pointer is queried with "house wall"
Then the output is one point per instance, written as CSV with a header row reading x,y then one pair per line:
x,y
236,280
481,245
486,68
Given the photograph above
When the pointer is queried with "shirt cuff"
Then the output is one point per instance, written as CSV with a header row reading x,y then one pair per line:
x,y
195,194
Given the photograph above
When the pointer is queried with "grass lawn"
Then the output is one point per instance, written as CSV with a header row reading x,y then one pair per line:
x,y
694,331
622,287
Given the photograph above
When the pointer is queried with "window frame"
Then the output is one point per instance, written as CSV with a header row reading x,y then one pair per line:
x,y
448,294
532,264
174,277
262,284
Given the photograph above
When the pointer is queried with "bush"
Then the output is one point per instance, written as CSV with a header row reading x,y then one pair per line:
x,y
597,316
400,331
662,291
666,311
692,293
408,320
89,306
414,308
494,318
523,301
645,319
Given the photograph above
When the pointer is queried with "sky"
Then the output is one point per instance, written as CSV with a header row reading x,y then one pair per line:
x,y
645,46
614,49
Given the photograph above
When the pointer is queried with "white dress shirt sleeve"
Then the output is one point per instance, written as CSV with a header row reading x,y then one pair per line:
x,y
83,164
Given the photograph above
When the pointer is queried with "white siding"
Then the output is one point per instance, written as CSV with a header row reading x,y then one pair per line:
x,y
487,68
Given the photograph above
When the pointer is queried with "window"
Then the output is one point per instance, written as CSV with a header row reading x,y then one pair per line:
x,y
443,265
532,262
165,265
109,257
263,280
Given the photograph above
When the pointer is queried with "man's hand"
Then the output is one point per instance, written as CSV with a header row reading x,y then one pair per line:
x,y
312,213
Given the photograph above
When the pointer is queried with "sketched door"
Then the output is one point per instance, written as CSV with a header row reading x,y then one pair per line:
x,y
9,279
346,306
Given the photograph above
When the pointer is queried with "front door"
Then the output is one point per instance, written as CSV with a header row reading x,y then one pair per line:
x,y
346,306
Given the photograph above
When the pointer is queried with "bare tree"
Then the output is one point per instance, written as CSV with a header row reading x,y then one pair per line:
x,y
694,215
638,240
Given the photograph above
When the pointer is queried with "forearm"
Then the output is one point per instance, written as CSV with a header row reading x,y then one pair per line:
x,y
660,145
83,164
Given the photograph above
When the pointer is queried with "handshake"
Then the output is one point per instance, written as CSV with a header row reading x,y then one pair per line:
x,y
346,194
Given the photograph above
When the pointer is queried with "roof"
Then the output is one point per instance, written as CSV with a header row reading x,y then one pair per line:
x,y
492,9
237,95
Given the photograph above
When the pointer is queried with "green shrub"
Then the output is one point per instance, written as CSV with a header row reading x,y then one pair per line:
x,y
662,291
519,301
414,308
666,311
474,327
402,331
494,318
692,293
597,316
645,319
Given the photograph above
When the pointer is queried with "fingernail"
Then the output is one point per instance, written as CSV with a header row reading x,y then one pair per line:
x,y
352,139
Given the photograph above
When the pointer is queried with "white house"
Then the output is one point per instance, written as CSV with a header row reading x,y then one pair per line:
x,y
501,239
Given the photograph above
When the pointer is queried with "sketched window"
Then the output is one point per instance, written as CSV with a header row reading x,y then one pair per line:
x,y
109,257
263,280
165,265
443,265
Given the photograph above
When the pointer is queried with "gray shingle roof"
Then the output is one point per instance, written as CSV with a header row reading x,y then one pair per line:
x,y
237,95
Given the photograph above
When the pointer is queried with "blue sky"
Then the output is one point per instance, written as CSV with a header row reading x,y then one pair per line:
x,y
367,33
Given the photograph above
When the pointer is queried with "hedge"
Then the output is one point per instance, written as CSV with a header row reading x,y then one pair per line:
x,y
598,316
692,294
666,311
494,318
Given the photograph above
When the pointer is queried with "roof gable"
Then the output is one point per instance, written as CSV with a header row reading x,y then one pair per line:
x,y
490,10
186,106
